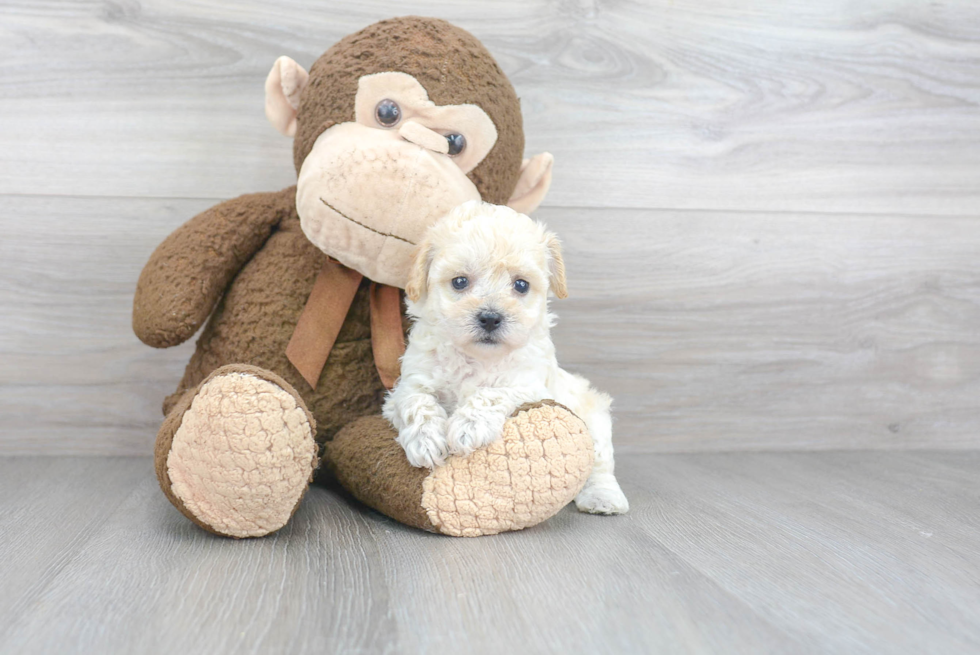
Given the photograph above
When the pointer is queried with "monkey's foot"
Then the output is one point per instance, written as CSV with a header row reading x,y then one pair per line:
x,y
237,456
537,466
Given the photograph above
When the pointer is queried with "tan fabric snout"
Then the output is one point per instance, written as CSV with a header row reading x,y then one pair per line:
x,y
420,135
365,197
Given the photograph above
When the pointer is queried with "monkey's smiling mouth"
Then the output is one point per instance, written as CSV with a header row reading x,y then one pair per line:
x,y
367,227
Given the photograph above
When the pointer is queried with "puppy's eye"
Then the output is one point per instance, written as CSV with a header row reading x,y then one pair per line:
x,y
387,112
522,286
457,142
460,283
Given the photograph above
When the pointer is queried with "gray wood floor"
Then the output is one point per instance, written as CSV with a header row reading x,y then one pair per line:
x,y
861,552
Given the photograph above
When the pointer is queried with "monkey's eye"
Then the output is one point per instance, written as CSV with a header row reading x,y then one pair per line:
x,y
460,283
522,286
457,142
387,112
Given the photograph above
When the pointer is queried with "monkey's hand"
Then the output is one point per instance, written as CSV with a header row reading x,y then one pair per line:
x,y
188,272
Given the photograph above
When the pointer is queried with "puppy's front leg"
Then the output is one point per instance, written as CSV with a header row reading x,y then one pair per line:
x,y
421,423
479,419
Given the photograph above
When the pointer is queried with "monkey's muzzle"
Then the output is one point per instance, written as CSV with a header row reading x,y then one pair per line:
x,y
366,197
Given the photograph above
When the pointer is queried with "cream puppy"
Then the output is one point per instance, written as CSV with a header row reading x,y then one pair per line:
x,y
480,345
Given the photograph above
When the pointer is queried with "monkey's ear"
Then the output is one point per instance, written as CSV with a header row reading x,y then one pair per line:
x,y
533,184
418,276
285,82
556,267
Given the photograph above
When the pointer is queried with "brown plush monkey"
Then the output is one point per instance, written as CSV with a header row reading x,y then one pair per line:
x,y
393,126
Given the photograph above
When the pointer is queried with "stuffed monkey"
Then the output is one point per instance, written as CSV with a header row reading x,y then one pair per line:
x,y
393,126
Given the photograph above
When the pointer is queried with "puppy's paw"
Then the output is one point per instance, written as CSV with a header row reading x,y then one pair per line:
x,y
602,496
425,443
470,428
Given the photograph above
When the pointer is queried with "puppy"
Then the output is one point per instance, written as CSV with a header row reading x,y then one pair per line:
x,y
480,345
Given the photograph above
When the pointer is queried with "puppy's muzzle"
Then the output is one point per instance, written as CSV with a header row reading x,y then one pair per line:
x,y
489,321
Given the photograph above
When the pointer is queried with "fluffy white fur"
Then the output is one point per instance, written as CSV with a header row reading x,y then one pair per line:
x,y
460,381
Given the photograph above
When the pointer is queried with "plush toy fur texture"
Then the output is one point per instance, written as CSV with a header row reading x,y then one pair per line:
x,y
537,467
233,470
247,264
256,316
452,65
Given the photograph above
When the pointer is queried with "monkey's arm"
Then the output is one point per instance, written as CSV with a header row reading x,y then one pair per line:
x,y
188,272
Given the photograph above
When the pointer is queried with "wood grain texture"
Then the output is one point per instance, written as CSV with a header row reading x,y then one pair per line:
x,y
716,331
73,377
721,553
51,508
835,106
712,330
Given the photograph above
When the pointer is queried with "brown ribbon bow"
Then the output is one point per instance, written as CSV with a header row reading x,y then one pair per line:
x,y
324,314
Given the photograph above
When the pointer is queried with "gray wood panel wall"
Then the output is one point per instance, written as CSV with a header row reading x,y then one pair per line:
x,y
770,209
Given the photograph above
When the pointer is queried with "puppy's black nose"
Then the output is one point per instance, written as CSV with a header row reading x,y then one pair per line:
x,y
490,321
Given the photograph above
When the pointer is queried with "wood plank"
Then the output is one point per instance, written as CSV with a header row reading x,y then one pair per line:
x,y
712,330
720,331
74,378
52,506
867,107
854,552
721,553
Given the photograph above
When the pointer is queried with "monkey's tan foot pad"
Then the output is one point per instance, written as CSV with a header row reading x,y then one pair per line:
x,y
537,467
243,454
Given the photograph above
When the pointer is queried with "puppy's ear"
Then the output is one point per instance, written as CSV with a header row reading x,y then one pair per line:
x,y
418,276
556,267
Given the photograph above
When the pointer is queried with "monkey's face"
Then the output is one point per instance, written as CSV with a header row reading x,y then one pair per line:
x,y
370,188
